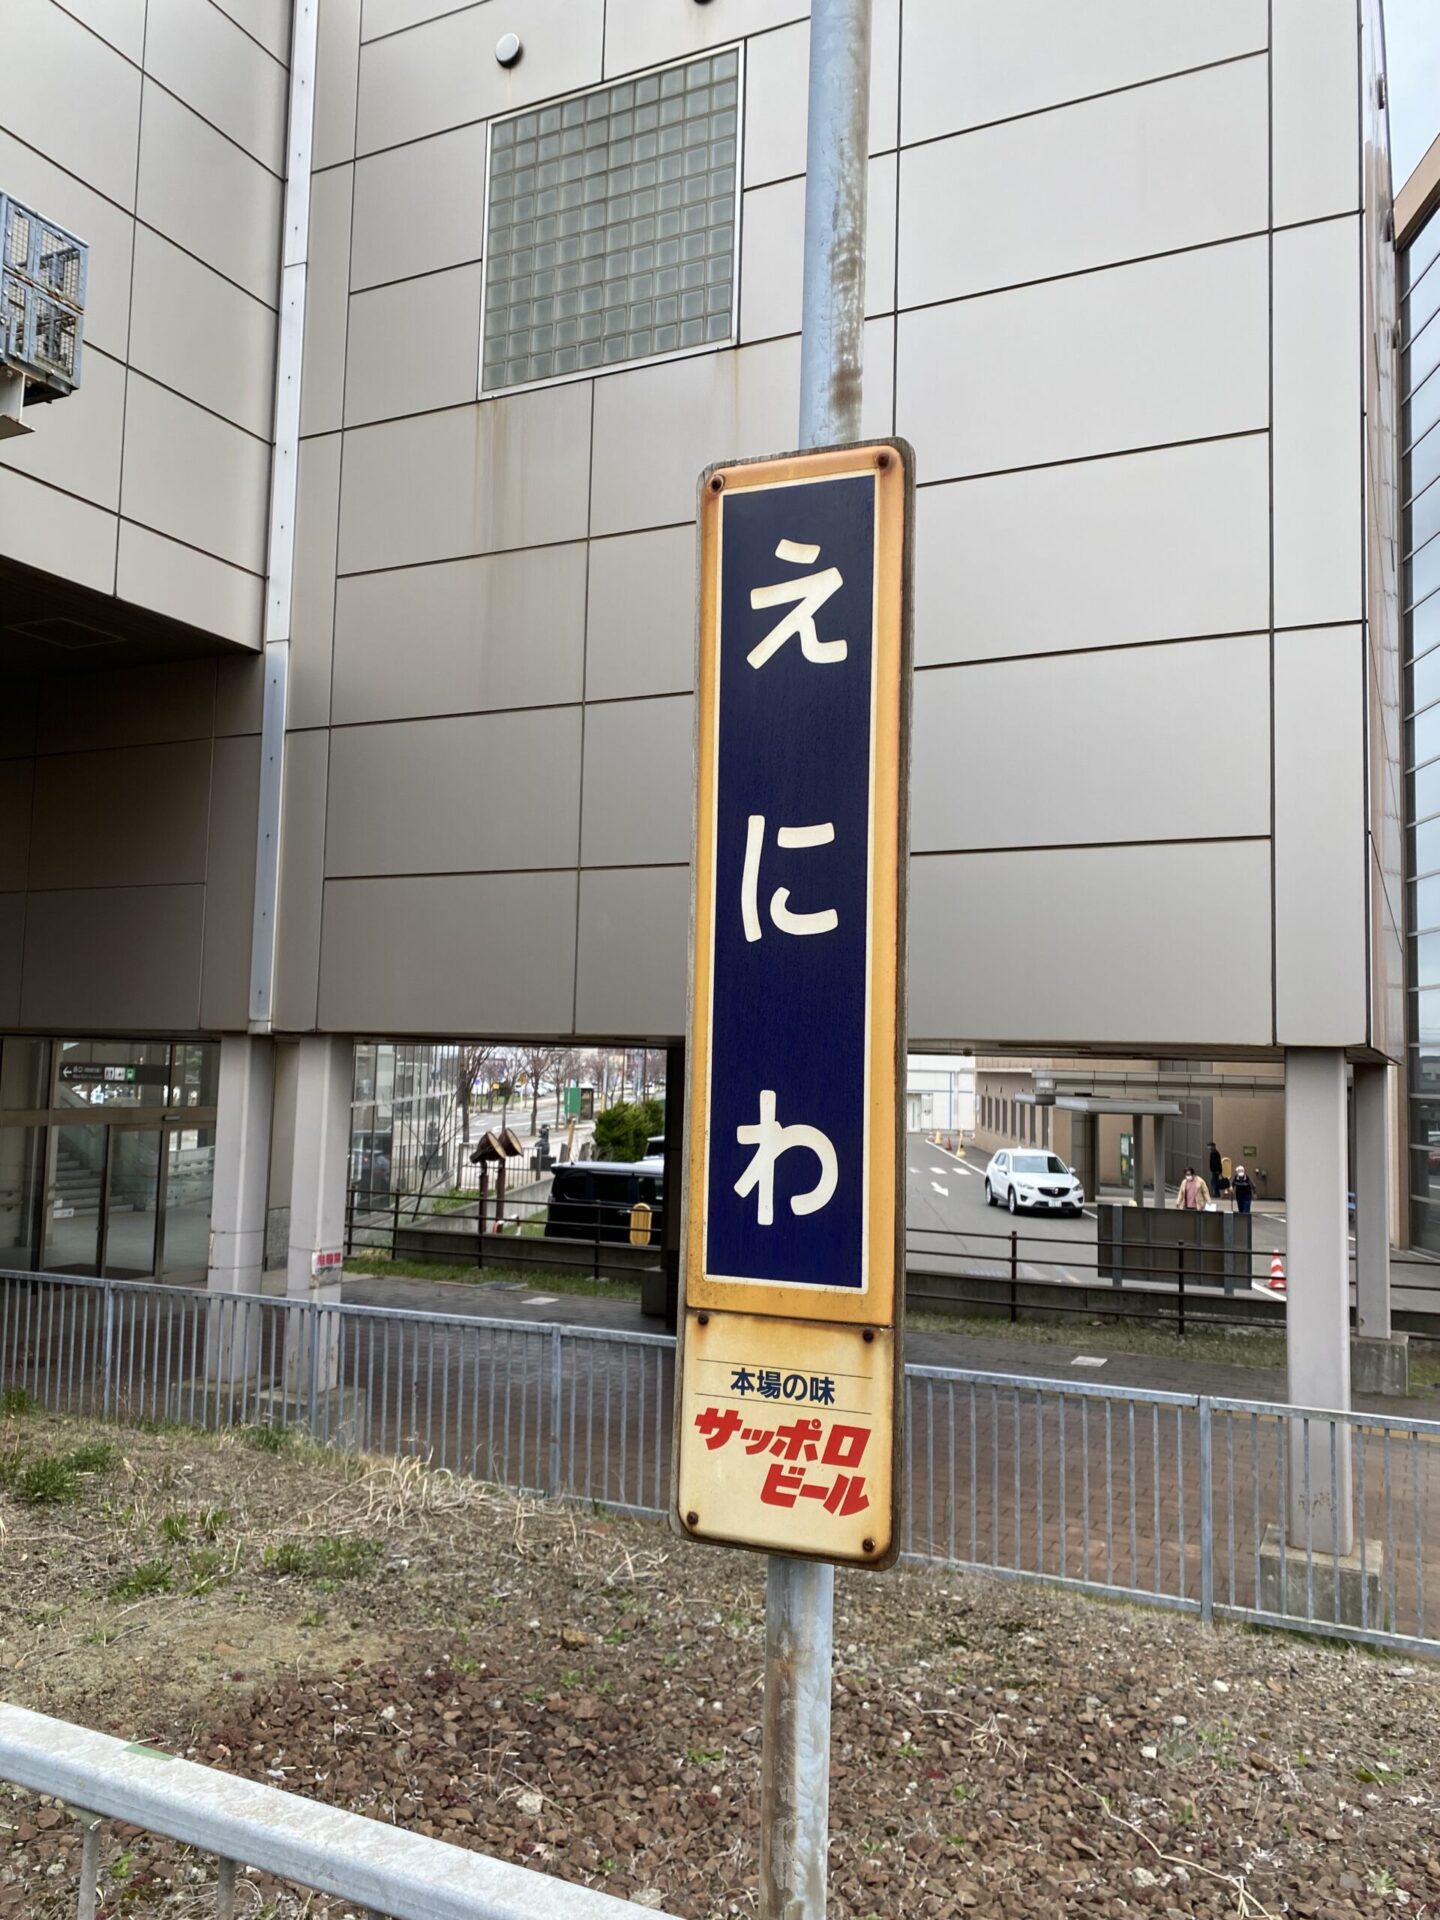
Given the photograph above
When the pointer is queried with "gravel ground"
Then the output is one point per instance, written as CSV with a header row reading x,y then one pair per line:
x,y
583,1695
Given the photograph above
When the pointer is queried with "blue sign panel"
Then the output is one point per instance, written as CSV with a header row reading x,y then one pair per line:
x,y
794,716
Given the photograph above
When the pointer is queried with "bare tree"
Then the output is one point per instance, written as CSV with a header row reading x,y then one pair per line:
x,y
475,1057
540,1063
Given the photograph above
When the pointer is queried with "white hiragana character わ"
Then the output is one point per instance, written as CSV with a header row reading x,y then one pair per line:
x,y
824,920
804,597
770,1140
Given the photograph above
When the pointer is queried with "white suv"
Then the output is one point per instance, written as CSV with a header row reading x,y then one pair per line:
x,y
1039,1181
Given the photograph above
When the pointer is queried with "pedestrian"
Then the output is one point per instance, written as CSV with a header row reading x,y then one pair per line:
x,y
1243,1188
1194,1195
1216,1168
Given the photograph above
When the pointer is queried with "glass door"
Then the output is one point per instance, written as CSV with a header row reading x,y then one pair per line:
x,y
132,1202
189,1179
74,1187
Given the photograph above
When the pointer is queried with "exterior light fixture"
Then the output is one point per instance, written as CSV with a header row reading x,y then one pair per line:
x,y
508,49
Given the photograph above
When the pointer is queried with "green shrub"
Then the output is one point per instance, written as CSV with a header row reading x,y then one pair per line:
x,y
622,1130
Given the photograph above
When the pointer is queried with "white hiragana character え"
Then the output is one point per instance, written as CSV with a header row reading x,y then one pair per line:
x,y
804,597
824,920
770,1140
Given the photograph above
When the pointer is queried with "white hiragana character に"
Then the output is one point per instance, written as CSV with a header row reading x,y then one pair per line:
x,y
824,920
770,1140
804,597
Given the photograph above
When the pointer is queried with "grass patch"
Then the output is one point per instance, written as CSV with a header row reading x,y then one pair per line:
x,y
16,1402
150,1577
331,1557
266,1439
45,1483
207,1567
53,1480
540,1279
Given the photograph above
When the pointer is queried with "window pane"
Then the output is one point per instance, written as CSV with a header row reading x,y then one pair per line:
x,y
636,179
1425,689
1427,847
1427,963
1426,896
1427,790
1425,736
1424,517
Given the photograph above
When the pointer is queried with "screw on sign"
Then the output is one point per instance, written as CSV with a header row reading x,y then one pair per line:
x,y
787,1405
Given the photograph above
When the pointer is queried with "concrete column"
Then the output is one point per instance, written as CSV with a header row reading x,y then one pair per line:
x,y
237,1207
1379,1356
1137,1159
242,1163
1318,1316
1372,1201
319,1168
1157,1124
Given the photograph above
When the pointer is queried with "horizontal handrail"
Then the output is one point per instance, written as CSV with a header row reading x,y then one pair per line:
x,y
403,1875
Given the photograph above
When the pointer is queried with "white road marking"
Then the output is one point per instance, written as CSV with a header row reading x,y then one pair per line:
x,y
939,1189
937,1169
542,1300
1087,1360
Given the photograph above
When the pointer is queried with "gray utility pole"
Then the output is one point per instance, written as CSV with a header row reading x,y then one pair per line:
x,y
800,1594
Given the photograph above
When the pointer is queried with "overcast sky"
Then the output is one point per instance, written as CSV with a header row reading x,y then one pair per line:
x,y
1412,55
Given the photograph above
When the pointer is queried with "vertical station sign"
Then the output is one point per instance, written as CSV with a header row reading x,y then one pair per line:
x,y
788,1384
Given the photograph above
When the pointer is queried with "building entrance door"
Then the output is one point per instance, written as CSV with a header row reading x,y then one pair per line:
x,y
74,1196
132,1203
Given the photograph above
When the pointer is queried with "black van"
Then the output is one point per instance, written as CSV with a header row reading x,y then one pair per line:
x,y
590,1194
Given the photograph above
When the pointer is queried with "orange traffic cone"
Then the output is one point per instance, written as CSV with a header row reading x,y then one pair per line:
x,y
1277,1274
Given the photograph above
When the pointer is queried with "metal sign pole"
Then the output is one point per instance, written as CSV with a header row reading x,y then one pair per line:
x,y
800,1594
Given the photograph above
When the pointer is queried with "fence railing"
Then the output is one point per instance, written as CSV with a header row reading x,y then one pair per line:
x,y
1224,1508
389,1873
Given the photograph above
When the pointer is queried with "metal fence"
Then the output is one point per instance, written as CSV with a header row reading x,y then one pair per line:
x,y
389,1873
1218,1507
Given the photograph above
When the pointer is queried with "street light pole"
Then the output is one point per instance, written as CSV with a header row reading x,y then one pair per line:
x,y
800,1594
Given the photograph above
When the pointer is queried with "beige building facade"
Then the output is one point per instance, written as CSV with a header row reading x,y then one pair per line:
x,y
346,609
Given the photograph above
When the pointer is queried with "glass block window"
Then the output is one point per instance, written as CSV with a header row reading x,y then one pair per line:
x,y
612,223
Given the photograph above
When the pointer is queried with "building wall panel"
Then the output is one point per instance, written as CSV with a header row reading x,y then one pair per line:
x,y
1148,546
128,816
194,476
509,474
1315,141
462,794
1136,356
507,630
151,980
969,66
200,190
413,346
640,636
172,578
633,959
498,955
230,884
1181,163
1320,844
198,333
1025,949
1319,499
639,782
1203,705
444,73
